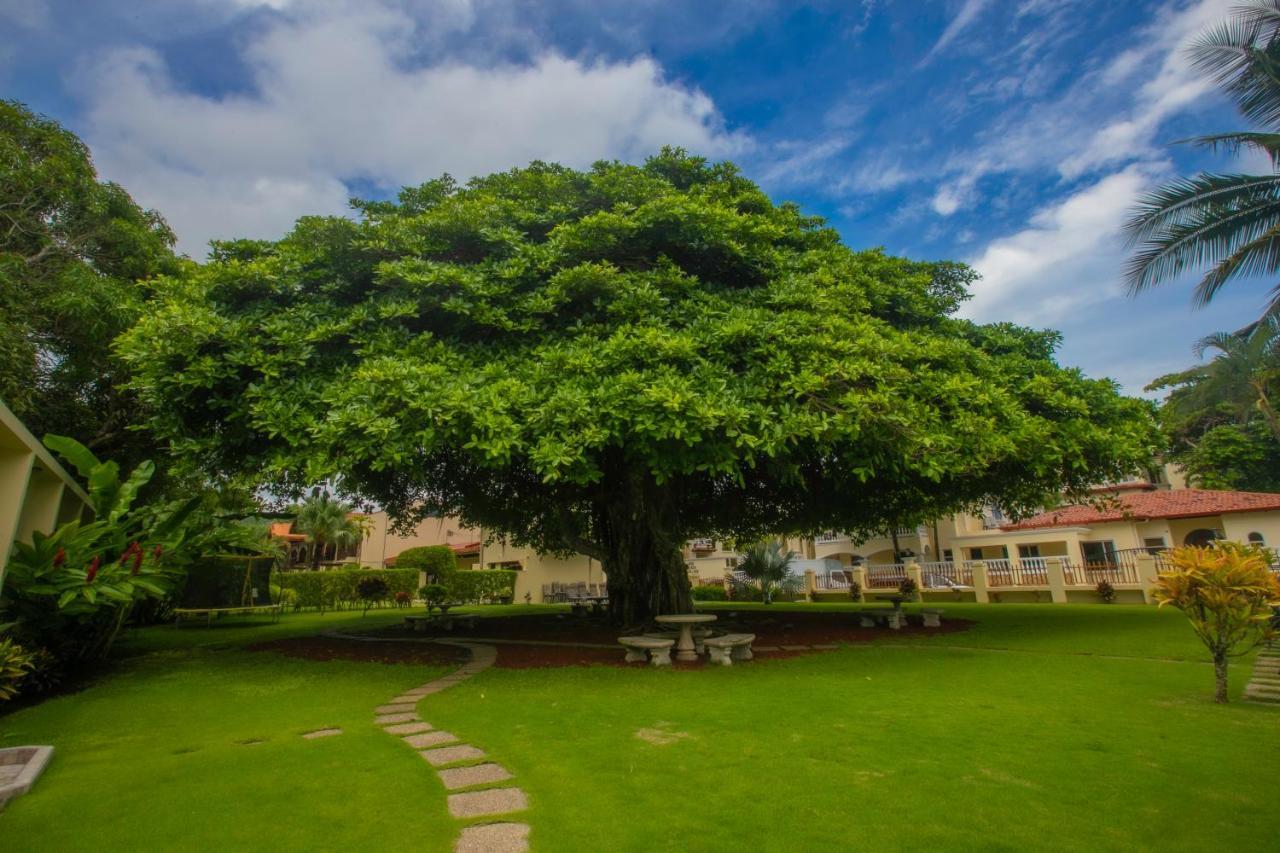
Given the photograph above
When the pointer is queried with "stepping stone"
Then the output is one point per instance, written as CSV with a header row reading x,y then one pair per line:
x,y
476,774
407,700
387,719
487,802
494,838
409,728
398,708
452,754
428,739
322,733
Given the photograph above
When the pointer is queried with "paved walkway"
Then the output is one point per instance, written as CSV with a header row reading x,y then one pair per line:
x,y
479,786
1265,684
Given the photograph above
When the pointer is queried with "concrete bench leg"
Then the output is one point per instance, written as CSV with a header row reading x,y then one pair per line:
x,y
720,655
742,653
932,620
660,657
867,621
895,621
636,655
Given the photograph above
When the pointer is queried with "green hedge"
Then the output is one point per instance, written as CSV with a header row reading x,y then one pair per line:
x,y
710,593
337,589
482,585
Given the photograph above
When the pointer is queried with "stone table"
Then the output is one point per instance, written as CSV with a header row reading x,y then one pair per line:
x,y
684,646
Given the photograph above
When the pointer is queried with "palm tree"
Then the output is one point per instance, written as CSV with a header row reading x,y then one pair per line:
x,y
1229,223
1237,382
325,521
766,566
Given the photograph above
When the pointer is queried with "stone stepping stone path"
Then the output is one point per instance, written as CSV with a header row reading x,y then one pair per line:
x,y
1265,684
479,784
318,733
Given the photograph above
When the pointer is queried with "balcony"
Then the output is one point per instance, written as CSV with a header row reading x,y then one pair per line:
x,y
702,545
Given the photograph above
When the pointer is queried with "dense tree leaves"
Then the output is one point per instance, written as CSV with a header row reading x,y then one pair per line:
x,y
71,252
613,361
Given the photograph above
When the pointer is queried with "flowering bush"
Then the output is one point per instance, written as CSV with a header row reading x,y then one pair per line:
x,y
70,591
1106,592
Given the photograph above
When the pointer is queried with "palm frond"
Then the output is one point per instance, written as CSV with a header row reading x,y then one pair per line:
x,y
1181,197
1233,143
1241,55
1257,257
1204,236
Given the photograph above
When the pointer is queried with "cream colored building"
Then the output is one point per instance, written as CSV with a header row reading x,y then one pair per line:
x,y
36,493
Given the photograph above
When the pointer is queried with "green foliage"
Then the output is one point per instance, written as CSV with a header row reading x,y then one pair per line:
x,y
15,665
482,585
1223,222
909,588
767,567
710,592
71,590
612,362
438,561
1219,416
72,251
433,594
339,588
227,580
372,590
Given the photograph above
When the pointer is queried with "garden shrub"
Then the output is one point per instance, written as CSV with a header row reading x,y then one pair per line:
x,y
909,589
403,598
433,594
855,590
338,588
372,590
438,561
710,592
1106,592
15,663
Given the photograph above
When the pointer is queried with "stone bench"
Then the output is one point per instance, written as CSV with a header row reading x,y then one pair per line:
x,y
932,618
700,636
871,618
729,647
657,649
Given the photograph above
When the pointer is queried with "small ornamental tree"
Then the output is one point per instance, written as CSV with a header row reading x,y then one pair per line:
x,y
613,362
1227,591
767,567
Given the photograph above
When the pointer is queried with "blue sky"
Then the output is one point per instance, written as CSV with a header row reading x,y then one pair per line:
x,y
1011,134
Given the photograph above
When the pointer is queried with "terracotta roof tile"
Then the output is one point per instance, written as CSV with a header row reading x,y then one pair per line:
x,y
1140,506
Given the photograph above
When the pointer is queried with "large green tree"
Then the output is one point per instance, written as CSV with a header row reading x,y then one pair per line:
x,y
615,361
72,250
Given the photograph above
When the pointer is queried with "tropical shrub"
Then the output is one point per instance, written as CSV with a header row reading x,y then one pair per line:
x,y
433,594
909,589
71,591
338,588
438,561
1227,591
1106,592
15,664
710,592
403,598
767,567
855,590
371,590
482,585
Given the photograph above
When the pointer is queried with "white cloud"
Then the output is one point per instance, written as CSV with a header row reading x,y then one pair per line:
x,y
340,96
1069,258
968,13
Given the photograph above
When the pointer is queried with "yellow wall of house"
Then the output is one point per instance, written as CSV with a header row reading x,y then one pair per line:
x,y
36,493
382,543
1239,525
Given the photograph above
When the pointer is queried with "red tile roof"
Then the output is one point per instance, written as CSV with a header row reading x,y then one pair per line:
x,y
1141,506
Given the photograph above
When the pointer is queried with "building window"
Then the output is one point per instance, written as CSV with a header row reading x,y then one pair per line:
x,y
946,555
1256,538
1154,543
1099,553
1025,551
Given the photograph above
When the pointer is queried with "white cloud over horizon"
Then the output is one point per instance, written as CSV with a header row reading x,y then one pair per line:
x,y
338,98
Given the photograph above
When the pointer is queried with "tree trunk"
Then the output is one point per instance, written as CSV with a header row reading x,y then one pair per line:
x,y
640,552
1220,673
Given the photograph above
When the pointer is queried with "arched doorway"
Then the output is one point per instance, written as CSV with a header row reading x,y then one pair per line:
x,y
1200,537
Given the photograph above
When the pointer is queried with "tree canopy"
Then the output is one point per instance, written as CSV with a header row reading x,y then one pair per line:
x,y
613,361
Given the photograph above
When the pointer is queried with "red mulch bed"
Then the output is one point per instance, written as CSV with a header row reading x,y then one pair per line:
x,y
333,648
771,629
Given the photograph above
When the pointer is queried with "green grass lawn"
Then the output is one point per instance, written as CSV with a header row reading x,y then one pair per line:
x,y
1042,727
